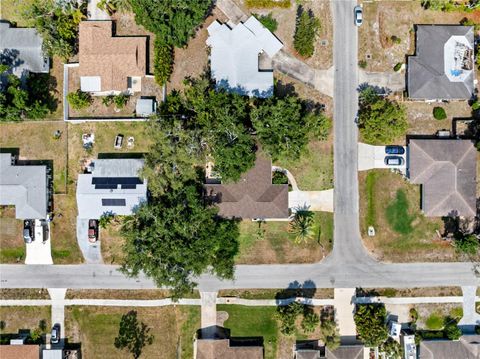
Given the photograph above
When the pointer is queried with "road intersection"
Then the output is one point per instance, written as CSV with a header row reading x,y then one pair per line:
x,y
349,265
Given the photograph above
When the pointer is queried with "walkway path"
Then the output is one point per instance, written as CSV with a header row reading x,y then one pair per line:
x,y
57,296
344,302
470,317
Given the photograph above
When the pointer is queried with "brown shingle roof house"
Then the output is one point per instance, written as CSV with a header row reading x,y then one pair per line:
x,y
468,347
25,351
446,169
253,196
107,62
221,349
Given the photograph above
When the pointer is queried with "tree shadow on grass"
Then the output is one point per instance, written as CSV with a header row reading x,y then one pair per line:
x,y
133,335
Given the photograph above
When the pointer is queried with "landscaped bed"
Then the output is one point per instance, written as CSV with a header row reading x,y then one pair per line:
x,y
173,330
271,242
319,293
126,294
403,234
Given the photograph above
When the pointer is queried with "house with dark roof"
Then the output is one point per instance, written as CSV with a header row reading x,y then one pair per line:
x,y
25,187
443,65
253,196
224,348
311,350
21,49
446,170
108,63
113,186
467,347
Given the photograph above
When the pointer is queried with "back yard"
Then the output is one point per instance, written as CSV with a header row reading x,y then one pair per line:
x,y
173,330
271,242
403,234
387,35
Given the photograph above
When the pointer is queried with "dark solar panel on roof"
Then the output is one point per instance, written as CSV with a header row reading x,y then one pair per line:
x,y
113,202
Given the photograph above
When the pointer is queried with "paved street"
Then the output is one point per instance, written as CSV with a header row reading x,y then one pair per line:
x,y
349,265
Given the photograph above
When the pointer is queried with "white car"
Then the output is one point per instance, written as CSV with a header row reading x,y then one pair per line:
x,y
358,15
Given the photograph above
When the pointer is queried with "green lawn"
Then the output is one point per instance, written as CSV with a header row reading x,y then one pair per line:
x,y
314,170
96,328
403,234
16,318
246,321
271,242
434,321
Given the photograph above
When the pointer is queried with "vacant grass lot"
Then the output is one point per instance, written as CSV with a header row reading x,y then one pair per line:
x,y
271,242
95,328
16,318
403,234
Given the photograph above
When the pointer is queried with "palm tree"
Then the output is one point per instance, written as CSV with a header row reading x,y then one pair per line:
x,y
302,225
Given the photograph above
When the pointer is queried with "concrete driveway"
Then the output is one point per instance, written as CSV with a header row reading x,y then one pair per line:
x,y
370,157
39,251
313,200
91,252
391,80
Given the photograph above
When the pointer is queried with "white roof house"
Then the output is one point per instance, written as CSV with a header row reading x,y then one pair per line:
x,y
25,187
235,53
113,187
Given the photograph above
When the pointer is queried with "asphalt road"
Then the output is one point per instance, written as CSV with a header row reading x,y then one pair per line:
x,y
349,265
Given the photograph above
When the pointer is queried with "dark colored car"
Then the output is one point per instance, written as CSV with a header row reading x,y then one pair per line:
x,y
92,230
394,150
358,15
28,231
55,337
394,161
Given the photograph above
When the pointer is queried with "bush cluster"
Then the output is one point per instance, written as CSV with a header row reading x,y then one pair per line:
x,y
267,4
268,21
305,33
163,61
439,113
79,99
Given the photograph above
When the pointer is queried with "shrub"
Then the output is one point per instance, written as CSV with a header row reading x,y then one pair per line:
x,y
451,330
268,21
468,244
395,39
439,113
108,100
267,4
163,62
120,100
79,99
397,67
279,178
413,315
310,322
287,315
305,32
363,64
434,322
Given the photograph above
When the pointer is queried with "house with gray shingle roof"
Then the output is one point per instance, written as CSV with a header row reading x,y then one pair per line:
x,y
234,57
443,65
21,48
467,347
25,187
113,186
253,196
446,169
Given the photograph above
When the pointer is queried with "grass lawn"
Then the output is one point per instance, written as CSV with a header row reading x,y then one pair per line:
x,y
271,242
16,318
403,233
96,328
314,170
112,243
246,321
24,293
12,248
434,321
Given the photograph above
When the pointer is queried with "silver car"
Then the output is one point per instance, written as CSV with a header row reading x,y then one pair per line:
x,y
358,15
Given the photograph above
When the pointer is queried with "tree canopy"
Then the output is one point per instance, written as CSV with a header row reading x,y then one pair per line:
x,y
57,22
175,238
370,320
305,32
380,120
172,21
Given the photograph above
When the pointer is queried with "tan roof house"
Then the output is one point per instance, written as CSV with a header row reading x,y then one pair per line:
x,y
253,196
25,351
446,169
221,348
108,63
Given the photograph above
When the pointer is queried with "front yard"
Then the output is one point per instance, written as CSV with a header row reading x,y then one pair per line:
x,y
271,242
12,249
28,318
96,328
403,234
387,35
